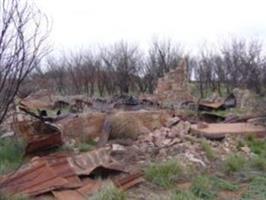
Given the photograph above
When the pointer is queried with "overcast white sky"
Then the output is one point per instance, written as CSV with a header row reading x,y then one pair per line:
x,y
80,23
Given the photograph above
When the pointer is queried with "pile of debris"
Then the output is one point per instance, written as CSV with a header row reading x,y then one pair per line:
x,y
68,177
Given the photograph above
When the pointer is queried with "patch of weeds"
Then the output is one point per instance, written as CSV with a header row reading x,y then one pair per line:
x,y
257,146
165,174
241,143
11,154
8,197
256,189
110,192
187,195
222,184
258,163
202,187
87,146
208,150
234,163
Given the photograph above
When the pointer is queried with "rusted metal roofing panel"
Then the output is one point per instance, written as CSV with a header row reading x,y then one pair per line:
x,y
35,180
68,195
129,181
212,105
219,130
57,171
85,163
62,169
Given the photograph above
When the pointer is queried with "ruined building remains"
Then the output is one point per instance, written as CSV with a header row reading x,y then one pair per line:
x,y
173,87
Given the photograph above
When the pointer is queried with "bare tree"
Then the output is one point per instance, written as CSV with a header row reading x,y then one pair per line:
x,y
21,47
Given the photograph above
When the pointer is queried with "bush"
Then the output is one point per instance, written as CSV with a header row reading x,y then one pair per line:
x,y
165,174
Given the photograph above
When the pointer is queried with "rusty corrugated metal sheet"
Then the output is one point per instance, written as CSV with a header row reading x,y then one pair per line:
x,y
212,105
34,180
62,169
85,163
129,181
58,171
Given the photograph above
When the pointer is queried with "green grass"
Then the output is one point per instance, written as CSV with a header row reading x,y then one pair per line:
x,y
258,163
208,150
8,197
202,187
87,146
207,187
234,163
165,174
110,192
256,189
222,184
257,146
187,195
11,154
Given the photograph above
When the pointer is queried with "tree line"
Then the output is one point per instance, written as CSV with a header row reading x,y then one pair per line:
x,y
124,68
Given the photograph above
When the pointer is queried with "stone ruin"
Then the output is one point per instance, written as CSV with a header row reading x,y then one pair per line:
x,y
173,87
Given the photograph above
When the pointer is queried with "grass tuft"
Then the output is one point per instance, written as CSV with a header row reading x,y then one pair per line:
x,y
202,187
187,195
257,146
8,197
259,163
256,189
11,154
223,184
208,150
234,163
110,192
165,174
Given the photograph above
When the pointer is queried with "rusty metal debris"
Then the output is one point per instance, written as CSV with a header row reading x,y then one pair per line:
x,y
50,173
129,181
40,136
219,130
218,104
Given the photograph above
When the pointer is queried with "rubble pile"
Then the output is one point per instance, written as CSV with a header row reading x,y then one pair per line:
x,y
130,133
59,174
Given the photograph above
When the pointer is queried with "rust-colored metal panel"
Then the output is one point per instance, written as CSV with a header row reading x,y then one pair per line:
x,y
129,181
41,143
62,169
217,130
37,179
38,135
211,105
85,163
68,195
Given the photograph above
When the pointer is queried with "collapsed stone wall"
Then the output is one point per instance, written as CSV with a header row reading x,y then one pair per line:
x,y
174,85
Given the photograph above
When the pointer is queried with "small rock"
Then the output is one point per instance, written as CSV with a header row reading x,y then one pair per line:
x,y
245,149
